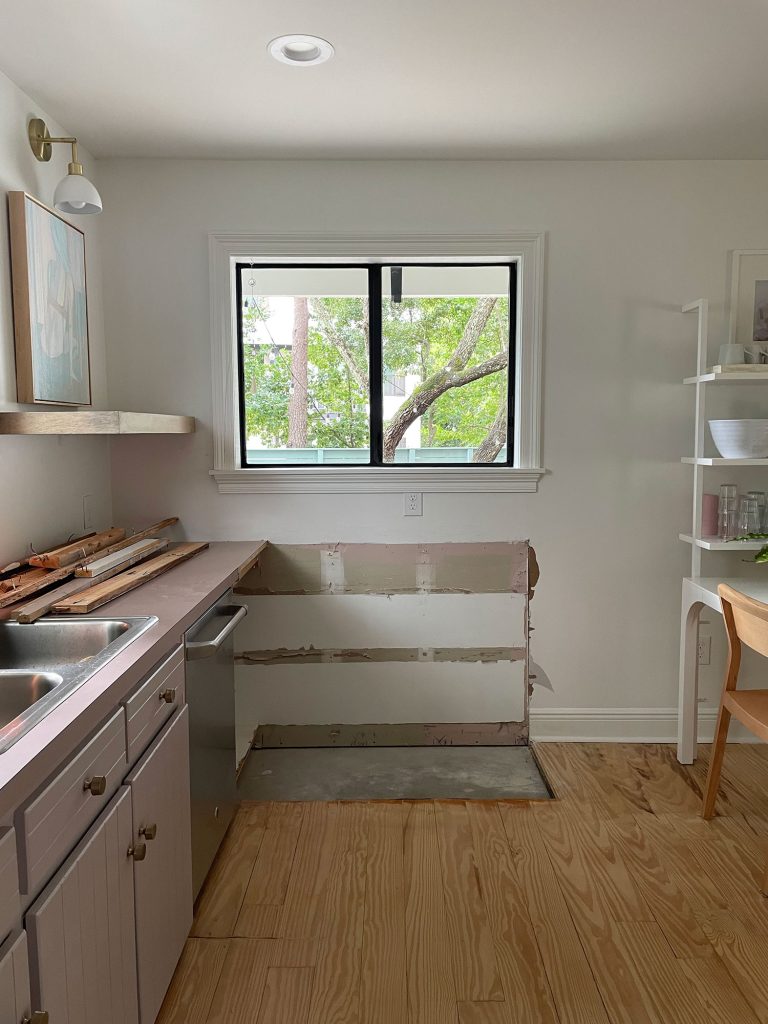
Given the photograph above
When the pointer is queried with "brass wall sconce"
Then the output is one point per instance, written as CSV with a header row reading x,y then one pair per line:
x,y
74,194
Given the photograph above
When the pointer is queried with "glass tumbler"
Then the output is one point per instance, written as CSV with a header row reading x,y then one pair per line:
x,y
759,497
748,521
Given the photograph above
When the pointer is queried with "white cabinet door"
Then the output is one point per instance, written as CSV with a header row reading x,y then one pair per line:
x,y
14,981
82,928
163,878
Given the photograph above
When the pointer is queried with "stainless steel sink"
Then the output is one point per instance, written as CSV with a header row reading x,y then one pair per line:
x,y
43,662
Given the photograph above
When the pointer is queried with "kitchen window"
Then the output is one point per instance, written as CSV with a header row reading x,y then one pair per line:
x,y
334,370
377,365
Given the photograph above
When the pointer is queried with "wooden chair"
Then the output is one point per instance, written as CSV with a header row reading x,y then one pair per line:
x,y
746,622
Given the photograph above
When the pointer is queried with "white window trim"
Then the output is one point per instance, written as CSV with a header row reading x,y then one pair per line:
x,y
526,248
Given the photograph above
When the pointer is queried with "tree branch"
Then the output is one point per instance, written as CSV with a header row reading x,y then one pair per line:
x,y
428,392
453,375
496,437
321,311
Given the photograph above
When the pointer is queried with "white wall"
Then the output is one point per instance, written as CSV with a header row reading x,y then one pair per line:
x,y
628,243
44,478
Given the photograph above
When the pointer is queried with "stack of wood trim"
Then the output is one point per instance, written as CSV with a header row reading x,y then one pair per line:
x,y
94,597
93,560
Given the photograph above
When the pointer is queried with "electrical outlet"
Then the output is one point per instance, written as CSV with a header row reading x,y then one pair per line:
x,y
87,512
705,649
412,503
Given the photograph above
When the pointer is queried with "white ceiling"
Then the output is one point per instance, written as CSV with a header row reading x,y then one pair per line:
x,y
572,79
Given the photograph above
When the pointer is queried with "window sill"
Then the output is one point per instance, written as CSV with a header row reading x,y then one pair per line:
x,y
376,480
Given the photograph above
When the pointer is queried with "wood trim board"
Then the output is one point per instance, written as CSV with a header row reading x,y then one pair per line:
x,y
123,558
397,734
100,594
78,551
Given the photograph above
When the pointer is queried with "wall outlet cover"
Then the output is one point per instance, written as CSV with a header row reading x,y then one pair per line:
x,y
412,503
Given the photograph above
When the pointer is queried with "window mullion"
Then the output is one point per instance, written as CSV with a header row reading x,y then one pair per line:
x,y
375,383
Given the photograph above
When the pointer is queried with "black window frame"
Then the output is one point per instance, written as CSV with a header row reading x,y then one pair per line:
x,y
375,272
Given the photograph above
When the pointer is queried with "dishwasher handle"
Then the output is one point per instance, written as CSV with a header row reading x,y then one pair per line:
x,y
196,649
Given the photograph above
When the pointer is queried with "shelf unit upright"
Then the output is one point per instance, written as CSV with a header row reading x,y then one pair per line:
x,y
701,591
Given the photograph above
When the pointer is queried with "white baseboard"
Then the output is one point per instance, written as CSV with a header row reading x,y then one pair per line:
x,y
622,725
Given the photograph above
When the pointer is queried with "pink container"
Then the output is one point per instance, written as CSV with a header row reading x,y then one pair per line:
x,y
709,503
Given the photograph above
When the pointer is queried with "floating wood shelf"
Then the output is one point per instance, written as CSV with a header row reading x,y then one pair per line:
x,y
88,422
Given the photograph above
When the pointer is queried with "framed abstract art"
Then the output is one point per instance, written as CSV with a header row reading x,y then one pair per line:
x,y
50,309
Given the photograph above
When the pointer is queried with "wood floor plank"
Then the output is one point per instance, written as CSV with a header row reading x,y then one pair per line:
x,y
668,785
383,988
745,956
613,770
272,869
261,922
668,991
592,865
242,980
667,903
570,976
287,995
525,987
431,991
487,1013
336,989
222,897
192,989
295,953
302,913
594,891
717,992
473,956
698,889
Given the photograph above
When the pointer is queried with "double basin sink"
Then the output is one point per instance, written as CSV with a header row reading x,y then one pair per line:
x,y
43,662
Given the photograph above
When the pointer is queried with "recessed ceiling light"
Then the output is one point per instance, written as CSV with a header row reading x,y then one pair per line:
x,y
300,49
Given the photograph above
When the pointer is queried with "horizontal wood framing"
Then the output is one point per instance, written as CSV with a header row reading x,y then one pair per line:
x,y
416,734
314,656
467,568
387,692
360,621
418,632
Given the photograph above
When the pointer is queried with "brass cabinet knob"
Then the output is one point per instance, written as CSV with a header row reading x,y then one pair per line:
x,y
96,786
138,851
169,695
38,1017
148,831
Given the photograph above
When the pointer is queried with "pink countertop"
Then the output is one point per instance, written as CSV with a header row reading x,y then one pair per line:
x,y
177,598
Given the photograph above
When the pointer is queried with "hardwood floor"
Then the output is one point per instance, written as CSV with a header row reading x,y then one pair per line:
x,y
614,903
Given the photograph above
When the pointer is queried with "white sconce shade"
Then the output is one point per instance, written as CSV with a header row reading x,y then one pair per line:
x,y
75,194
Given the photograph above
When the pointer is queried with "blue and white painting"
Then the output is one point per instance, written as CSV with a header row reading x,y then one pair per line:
x,y
57,308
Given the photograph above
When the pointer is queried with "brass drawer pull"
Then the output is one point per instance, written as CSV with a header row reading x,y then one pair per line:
x,y
138,852
96,786
148,832
169,696
38,1017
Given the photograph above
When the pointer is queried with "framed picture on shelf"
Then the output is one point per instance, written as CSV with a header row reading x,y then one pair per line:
x,y
748,322
50,307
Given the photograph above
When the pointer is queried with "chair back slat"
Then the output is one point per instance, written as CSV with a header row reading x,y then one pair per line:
x,y
748,616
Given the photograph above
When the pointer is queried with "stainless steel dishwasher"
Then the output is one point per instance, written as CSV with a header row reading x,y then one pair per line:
x,y
210,684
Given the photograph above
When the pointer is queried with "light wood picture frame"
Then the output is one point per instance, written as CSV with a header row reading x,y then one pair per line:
x,y
50,305
749,296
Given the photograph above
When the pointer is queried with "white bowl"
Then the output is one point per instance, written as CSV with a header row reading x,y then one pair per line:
x,y
740,439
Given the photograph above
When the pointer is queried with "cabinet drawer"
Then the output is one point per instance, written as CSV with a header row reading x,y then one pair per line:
x,y
15,1003
54,821
149,707
10,902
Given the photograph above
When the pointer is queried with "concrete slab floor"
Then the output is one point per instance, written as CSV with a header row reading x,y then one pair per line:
x,y
392,773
